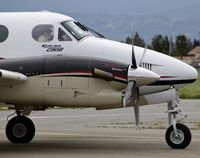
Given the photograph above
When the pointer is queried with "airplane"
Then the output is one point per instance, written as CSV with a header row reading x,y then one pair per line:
x,y
48,59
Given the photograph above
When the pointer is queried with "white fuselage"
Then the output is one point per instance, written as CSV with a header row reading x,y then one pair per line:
x,y
20,43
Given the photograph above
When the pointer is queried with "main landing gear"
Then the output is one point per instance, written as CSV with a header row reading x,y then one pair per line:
x,y
177,136
20,129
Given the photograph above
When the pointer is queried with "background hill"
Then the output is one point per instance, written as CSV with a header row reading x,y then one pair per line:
x,y
184,20
121,18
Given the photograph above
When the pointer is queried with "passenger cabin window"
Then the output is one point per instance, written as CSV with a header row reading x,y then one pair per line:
x,y
63,36
43,33
3,33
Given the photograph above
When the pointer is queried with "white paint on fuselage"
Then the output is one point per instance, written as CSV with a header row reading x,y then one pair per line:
x,y
21,44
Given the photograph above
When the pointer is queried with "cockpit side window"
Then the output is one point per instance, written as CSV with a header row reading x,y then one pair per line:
x,y
76,29
63,36
43,33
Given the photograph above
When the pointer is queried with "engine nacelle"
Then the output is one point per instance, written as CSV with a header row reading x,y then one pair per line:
x,y
11,77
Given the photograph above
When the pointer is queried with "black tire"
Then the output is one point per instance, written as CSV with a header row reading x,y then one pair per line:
x,y
20,129
184,138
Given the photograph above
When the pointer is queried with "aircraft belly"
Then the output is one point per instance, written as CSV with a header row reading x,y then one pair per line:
x,y
83,92
29,93
65,92
104,93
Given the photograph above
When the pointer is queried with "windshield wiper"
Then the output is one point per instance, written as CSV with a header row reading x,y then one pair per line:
x,y
86,28
81,26
92,31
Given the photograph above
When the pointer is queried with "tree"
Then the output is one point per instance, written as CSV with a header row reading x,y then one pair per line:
x,y
160,43
136,40
195,43
183,45
129,40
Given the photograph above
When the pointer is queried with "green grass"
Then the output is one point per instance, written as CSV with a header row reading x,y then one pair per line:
x,y
191,91
198,124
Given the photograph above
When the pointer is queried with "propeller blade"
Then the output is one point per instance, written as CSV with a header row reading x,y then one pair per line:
x,y
131,98
134,64
137,110
131,95
128,93
143,55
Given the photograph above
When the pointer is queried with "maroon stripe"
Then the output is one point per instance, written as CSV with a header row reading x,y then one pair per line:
x,y
168,76
78,71
120,75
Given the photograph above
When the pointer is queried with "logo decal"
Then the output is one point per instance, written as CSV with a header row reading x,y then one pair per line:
x,y
53,48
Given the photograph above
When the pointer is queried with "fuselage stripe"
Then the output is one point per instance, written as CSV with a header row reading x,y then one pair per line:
x,y
172,82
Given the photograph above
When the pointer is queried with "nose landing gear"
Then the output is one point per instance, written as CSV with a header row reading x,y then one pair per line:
x,y
177,136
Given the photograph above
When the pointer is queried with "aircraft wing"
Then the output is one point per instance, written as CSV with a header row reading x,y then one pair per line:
x,y
10,77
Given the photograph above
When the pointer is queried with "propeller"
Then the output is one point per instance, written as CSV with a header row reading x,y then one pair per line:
x,y
137,76
134,90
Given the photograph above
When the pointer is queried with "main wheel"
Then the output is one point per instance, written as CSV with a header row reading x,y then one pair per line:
x,y
181,140
20,129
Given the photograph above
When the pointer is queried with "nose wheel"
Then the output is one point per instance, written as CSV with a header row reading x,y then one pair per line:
x,y
20,129
179,139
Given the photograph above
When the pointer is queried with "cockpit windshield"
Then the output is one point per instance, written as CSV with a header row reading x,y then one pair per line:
x,y
80,31
94,33
76,29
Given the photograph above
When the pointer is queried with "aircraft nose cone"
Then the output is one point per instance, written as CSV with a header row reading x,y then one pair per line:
x,y
192,73
171,70
178,73
183,72
142,76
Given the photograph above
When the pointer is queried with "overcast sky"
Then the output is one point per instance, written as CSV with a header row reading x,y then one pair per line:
x,y
113,7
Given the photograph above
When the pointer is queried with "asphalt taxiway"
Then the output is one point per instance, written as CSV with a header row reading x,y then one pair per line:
x,y
88,133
